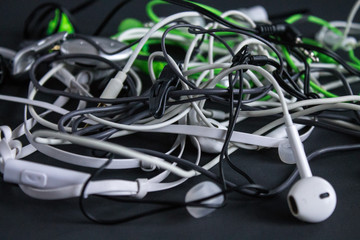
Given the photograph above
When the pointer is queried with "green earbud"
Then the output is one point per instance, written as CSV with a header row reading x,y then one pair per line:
x,y
65,24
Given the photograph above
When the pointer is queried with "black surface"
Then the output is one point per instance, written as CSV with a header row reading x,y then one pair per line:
x,y
22,217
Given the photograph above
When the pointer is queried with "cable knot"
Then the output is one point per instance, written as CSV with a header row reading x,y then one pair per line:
x,y
159,92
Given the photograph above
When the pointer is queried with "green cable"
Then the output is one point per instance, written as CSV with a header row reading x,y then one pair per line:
x,y
210,9
353,57
312,84
266,98
214,11
319,21
293,18
324,23
354,65
321,90
149,9
311,41
290,20
322,57
153,17
185,35
188,36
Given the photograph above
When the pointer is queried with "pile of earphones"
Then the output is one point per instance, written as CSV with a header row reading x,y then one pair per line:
x,y
194,77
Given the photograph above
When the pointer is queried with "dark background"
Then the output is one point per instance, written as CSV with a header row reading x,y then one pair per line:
x,y
22,217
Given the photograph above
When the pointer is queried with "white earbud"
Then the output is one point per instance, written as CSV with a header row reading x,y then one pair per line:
x,y
312,199
286,153
203,190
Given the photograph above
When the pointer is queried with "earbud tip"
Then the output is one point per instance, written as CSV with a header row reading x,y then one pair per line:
x,y
203,190
312,199
286,153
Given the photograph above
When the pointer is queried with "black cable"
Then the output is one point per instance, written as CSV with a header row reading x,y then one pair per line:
x,y
328,126
288,78
41,28
196,50
306,71
219,99
237,169
188,100
107,132
294,89
259,96
336,73
327,52
228,132
284,15
292,177
242,55
244,189
65,118
336,149
216,92
171,204
329,115
266,42
82,6
43,10
209,14
232,122
345,83
240,58
48,8
109,16
215,36
166,56
253,190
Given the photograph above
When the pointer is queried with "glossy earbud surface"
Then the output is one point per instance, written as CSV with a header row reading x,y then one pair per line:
x,y
312,199
286,153
203,190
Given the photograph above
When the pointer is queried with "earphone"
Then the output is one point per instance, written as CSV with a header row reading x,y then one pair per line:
x,y
188,111
312,199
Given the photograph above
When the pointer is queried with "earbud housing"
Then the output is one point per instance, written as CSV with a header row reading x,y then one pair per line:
x,y
312,199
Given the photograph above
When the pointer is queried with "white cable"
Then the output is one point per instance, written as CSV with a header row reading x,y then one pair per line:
x,y
41,135
136,33
336,84
32,93
7,53
151,64
34,103
303,103
137,80
240,15
139,127
151,31
350,18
